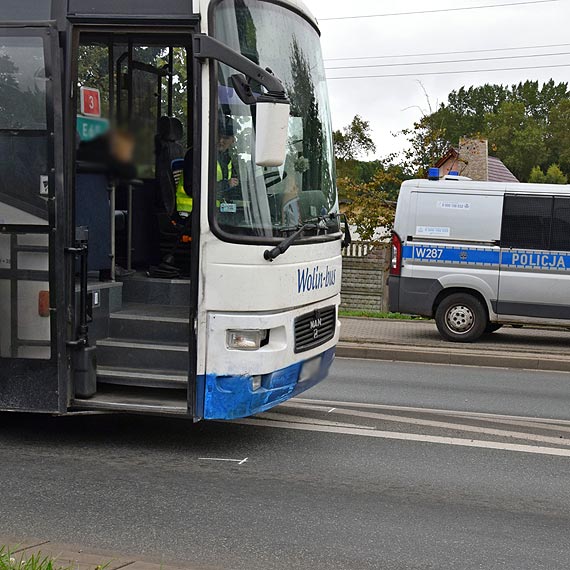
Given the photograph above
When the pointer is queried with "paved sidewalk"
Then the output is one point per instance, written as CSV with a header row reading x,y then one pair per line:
x,y
74,558
419,341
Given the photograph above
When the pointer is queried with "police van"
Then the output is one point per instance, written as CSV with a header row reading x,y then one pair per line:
x,y
478,255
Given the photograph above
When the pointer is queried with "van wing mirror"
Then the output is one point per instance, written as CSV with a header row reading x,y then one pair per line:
x,y
272,116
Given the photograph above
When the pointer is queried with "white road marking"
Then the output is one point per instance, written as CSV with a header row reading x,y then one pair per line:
x,y
537,450
435,411
447,425
452,365
278,416
238,461
332,410
532,425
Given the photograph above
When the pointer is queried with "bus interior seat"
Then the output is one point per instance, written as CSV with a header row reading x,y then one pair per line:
x,y
168,149
170,159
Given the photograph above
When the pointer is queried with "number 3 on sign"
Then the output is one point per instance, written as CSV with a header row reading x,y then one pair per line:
x,y
90,102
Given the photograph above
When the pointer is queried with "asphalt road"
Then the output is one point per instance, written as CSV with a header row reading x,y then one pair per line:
x,y
351,477
469,388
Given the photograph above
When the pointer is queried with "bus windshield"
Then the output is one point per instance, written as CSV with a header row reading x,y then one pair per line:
x,y
253,202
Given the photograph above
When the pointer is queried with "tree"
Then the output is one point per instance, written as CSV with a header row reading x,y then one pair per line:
x,y
526,124
553,175
371,206
354,140
516,138
428,142
465,111
537,176
558,140
538,101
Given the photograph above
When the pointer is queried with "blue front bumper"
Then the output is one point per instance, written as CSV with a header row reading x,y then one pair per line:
x,y
232,397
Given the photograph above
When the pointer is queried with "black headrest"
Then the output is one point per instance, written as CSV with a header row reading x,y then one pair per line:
x,y
170,129
225,126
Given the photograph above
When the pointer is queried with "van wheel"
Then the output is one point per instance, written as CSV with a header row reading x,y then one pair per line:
x,y
492,327
461,318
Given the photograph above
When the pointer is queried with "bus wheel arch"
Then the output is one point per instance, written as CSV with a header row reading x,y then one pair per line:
x,y
461,314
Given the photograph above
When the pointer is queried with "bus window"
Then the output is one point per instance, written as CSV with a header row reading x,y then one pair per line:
x,y
23,131
153,83
93,72
24,189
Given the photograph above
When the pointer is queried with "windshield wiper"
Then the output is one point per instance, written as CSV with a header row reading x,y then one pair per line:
x,y
315,223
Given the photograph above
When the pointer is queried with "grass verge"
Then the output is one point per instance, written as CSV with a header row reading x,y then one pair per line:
x,y
379,315
11,561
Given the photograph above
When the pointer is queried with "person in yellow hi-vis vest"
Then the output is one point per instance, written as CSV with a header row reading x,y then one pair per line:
x,y
225,176
184,203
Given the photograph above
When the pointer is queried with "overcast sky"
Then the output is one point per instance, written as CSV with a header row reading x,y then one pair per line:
x,y
391,104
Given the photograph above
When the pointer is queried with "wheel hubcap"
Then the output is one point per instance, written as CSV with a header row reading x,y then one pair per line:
x,y
460,319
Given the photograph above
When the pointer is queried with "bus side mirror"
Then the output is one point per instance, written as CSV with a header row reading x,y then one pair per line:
x,y
272,128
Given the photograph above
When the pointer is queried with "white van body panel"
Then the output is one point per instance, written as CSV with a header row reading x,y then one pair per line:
x,y
450,232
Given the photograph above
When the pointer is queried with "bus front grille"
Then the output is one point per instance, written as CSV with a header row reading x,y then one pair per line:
x,y
315,329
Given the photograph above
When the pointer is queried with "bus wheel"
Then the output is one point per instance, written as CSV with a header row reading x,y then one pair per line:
x,y
461,318
492,327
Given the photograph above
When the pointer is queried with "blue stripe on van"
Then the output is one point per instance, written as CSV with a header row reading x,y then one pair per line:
x,y
536,260
433,254
519,259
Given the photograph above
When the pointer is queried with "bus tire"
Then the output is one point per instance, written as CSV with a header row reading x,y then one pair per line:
x,y
492,327
461,317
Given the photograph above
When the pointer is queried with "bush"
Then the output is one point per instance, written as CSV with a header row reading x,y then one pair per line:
x,y
553,175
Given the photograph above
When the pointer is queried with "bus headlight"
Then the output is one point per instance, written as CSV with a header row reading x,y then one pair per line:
x,y
245,340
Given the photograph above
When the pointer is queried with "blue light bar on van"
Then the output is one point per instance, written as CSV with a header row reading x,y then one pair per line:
x,y
433,174
453,173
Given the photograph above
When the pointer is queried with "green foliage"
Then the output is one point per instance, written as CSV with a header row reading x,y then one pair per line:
x,y
9,561
428,143
379,315
526,124
516,137
554,175
371,206
354,140
558,140
537,176
368,189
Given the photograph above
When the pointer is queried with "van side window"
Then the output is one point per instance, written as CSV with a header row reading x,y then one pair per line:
x,y
560,240
527,222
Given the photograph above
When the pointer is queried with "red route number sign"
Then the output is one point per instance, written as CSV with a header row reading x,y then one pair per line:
x,y
90,102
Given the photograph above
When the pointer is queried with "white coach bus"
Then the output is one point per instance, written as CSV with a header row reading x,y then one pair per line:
x,y
169,232
477,255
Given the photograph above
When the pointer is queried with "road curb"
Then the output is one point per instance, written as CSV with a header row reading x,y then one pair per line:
x,y
75,558
434,355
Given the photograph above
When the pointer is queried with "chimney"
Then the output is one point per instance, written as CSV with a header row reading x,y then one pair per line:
x,y
473,159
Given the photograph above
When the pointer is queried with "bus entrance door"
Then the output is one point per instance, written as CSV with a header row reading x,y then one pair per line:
x,y
29,254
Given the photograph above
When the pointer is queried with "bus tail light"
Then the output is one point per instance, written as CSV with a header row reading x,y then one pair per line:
x,y
396,267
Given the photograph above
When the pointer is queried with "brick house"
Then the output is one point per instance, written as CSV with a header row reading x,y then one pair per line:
x,y
472,159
